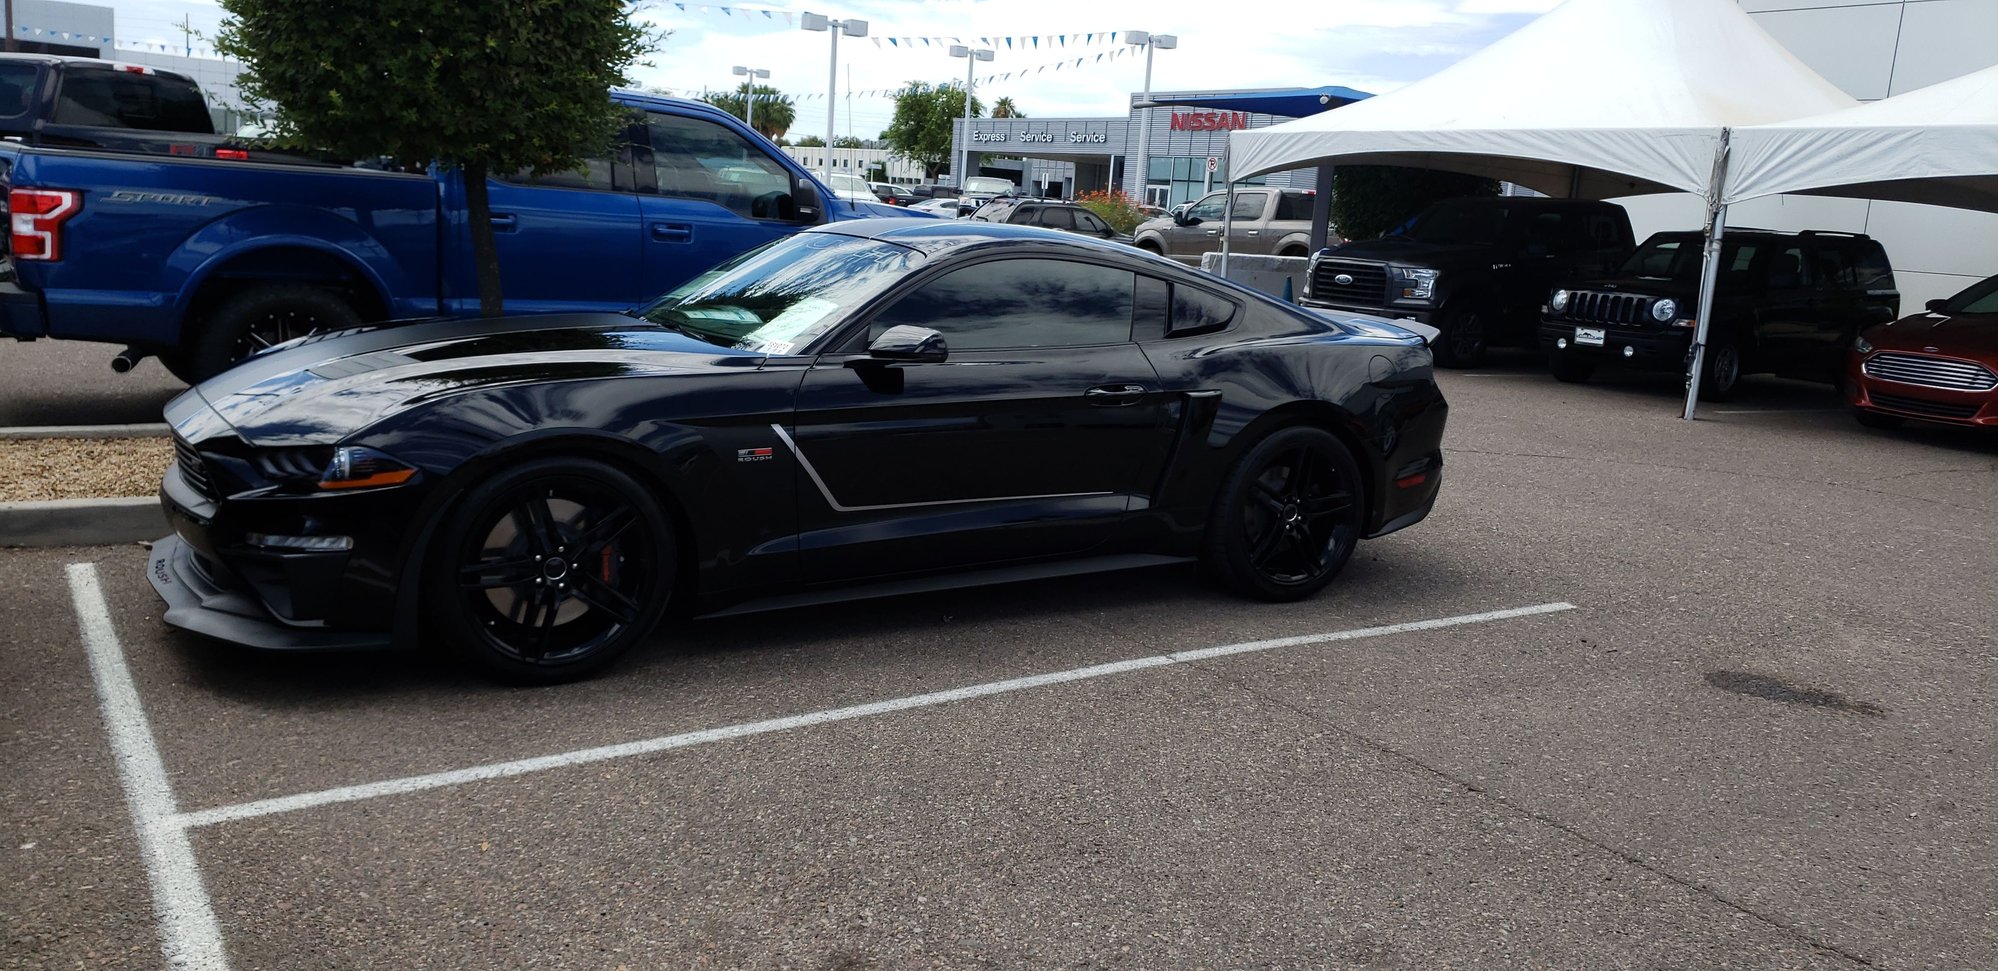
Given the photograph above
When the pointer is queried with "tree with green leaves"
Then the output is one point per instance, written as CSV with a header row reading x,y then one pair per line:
x,y
921,128
811,141
848,141
1368,200
486,88
775,111
1003,108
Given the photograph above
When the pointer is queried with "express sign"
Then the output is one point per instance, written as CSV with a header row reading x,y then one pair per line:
x,y
1209,120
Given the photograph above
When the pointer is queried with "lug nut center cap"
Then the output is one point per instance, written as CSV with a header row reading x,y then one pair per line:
x,y
554,568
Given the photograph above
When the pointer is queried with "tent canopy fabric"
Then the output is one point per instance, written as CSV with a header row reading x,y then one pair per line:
x,y
1288,102
1936,145
1595,99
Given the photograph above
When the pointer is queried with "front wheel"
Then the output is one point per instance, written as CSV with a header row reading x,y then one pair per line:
x,y
1288,516
1463,339
551,570
1720,370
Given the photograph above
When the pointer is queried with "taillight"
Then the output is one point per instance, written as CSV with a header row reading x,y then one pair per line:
x,y
233,154
38,215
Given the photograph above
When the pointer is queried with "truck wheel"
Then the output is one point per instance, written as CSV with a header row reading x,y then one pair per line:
x,y
1720,371
254,319
1570,368
1462,343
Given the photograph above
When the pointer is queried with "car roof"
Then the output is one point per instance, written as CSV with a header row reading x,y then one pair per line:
x,y
929,236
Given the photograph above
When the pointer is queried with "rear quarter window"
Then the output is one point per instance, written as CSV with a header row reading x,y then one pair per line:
x,y
17,89
1295,206
123,99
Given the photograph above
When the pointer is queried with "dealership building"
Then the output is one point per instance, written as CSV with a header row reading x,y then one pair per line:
x,y
1186,149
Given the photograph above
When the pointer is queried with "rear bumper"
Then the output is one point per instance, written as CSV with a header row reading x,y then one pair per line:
x,y
21,314
1651,350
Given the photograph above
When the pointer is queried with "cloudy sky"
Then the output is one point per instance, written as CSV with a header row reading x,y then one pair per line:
x,y
1373,45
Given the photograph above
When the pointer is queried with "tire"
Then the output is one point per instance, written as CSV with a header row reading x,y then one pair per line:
x,y
1569,367
253,319
1275,535
551,570
1150,247
1874,419
1720,371
1294,251
1465,327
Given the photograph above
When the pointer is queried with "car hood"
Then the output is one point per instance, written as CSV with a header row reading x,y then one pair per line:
x,y
320,390
1409,251
1965,335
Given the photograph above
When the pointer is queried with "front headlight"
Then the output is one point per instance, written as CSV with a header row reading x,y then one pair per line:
x,y
360,467
1416,284
1862,346
1559,301
1664,310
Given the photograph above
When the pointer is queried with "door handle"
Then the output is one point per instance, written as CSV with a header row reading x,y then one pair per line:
x,y
1252,232
1114,395
673,232
1213,232
505,222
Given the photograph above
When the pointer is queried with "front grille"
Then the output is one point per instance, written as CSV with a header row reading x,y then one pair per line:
x,y
193,470
1931,372
1368,284
1916,406
1608,308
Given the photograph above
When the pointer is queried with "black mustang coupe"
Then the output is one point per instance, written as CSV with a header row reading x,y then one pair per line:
x,y
865,408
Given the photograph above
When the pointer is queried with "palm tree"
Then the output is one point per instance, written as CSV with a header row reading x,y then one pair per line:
x,y
774,109
1003,108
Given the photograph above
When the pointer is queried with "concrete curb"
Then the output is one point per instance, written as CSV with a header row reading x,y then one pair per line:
x,y
81,522
154,430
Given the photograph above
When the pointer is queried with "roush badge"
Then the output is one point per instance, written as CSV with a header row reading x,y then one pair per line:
x,y
755,454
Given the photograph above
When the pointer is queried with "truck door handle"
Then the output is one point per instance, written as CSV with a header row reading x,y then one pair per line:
x,y
1114,395
505,222
1213,232
673,232
1252,232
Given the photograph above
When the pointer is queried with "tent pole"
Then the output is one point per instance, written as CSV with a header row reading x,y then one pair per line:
x,y
1228,213
1709,275
1321,211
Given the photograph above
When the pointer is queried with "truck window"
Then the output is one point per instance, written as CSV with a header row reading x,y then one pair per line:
x,y
603,174
1208,209
696,159
1250,205
1786,269
1295,206
1875,273
122,99
1833,269
1460,225
17,88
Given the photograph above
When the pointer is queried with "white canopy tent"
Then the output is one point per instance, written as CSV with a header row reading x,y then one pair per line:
x,y
1595,99
1936,145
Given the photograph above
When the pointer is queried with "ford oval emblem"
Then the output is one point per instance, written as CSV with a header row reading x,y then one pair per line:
x,y
1343,279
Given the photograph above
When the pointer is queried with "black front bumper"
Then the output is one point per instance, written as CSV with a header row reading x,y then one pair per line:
x,y
1663,349
203,598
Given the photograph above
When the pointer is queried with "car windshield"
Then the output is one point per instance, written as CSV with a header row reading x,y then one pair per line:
x,y
1981,298
1448,225
982,185
782,296
1665,258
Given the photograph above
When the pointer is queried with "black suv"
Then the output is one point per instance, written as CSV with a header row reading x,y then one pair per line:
x,y
1476,269
1784,303
1052,214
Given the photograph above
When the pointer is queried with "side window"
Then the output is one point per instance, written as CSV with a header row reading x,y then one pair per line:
x,y
1549,233
1875,273
1657,259
1295,206
1019,303
17,88
695,159
1025,215
1250,205
606,174
1786,269
1832,268
1208,209
1055,217
1088,223
1196,311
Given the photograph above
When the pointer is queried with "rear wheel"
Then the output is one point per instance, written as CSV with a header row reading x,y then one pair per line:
x,y
1288,516
1569,367
254,319
1463,339
1874,419
552,569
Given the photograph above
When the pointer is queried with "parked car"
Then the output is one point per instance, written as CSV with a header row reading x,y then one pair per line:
x,y
541,491
84,102
1065,216
852,188
894,195
946,207
980,189
927,190
202,263
1784,303
1479,270
1941,365
1267,222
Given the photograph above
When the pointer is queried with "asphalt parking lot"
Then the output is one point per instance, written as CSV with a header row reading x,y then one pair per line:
x,y
1759,735
71,383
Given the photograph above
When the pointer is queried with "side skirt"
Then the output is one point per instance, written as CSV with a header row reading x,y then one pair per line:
x,y
949,581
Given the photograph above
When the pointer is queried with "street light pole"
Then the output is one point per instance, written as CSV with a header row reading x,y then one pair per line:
x,y
851,28
971,59
749,92
1150,42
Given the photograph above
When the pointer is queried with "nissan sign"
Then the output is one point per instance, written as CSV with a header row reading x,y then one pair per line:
x,y
1209,120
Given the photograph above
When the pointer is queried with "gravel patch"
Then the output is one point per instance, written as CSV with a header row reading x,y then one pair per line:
x,y
40,469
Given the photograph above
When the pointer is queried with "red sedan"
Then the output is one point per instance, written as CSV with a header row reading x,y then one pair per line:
x,y
1937,366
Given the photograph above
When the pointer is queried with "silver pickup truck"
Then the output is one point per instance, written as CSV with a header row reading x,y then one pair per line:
x,y
1268,222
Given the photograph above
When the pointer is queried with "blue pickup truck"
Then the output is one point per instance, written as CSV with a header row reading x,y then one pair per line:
x,y
204,260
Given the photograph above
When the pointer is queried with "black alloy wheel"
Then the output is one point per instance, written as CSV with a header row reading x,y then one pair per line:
x,y
256,319
1288,516
1463,339
552,569
1720,370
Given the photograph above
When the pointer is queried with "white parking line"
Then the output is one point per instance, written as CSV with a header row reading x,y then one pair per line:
x,y
189,936
501,770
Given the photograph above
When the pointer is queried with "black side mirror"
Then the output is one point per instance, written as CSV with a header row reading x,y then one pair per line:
x,y
1936,306
907,342
806,204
